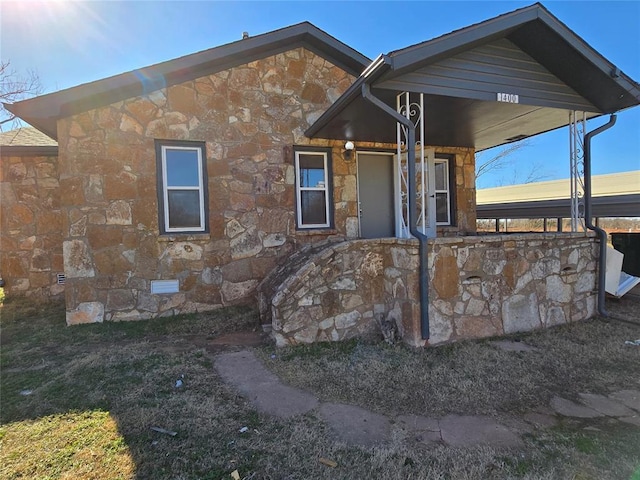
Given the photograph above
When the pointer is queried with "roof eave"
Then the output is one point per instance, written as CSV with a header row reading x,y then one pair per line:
x,y
373,72
28,151
434,49
592,55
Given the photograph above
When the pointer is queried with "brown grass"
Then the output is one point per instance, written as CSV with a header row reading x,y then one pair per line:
x,y
97,390
71,445
472,377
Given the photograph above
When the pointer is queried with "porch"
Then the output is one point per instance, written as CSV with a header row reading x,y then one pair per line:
x,y
479,286
517,76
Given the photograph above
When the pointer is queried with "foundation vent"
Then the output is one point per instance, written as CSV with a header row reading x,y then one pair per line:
x,y
60,278
165,286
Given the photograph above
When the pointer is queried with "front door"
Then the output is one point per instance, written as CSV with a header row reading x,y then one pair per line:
x,y
376,195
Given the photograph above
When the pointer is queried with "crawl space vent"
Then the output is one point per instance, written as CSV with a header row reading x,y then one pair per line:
x,y
165,286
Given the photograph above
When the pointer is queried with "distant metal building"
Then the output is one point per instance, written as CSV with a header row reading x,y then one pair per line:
x,y
614,195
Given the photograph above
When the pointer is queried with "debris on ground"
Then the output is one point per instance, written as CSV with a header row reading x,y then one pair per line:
x,y
180,381
26,393
235,475
327,462
244,429
162,430
633,342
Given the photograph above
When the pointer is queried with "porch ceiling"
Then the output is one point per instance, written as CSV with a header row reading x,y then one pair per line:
x,y
449,121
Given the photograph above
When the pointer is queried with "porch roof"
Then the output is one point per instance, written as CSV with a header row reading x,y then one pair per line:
x,y
528,53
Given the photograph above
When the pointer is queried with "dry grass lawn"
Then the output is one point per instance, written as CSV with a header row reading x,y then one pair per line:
x,y
79,403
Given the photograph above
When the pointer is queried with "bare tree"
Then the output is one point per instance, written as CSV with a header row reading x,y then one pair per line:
x,y
505,160
15,87
501,160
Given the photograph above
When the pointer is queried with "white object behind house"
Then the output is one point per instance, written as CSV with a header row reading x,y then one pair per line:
x,y
617,282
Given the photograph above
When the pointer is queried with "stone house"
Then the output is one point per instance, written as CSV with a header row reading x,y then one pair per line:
x,y
273,171
30,218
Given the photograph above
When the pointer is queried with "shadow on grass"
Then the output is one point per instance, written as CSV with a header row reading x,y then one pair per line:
x,y
116,381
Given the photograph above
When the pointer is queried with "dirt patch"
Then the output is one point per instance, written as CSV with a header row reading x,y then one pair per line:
x,y
627,307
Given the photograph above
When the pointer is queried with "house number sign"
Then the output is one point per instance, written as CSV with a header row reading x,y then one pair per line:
x,y
508,97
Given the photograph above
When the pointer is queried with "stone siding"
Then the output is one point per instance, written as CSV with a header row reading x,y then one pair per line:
x,y
249,117
464,191
479,287
31,226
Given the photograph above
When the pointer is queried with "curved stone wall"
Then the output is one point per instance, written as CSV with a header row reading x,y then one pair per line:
x,y
338,292
480,286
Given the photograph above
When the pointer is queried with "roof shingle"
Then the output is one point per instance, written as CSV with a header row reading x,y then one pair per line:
x,y
26,137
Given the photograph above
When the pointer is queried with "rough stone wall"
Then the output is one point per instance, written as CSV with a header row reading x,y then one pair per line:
x,y
249,117
479,287
31,222
338,292
464,191
510,283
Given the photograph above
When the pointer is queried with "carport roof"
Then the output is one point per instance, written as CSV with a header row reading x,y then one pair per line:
x,y
455,118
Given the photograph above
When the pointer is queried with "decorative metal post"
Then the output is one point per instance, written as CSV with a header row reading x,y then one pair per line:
x,y
577,128
412,109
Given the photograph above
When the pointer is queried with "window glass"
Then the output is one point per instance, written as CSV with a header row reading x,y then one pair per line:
x,y
313,207
312,172
441,176
443,191
182,167
184,208
181,186
313,189
442,208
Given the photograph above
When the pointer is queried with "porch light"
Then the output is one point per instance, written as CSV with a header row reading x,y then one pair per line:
x,y
348,149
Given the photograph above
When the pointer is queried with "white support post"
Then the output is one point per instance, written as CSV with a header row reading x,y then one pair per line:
x,y
414,111
423,168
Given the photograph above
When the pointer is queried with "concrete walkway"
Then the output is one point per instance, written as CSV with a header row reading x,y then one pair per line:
x,y
260,386
354,425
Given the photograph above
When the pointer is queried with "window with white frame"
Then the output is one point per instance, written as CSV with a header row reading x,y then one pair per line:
x,y
443,192
313,189
182,186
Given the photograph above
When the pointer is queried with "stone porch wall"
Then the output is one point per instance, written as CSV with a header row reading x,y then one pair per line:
x,y
479,287
30,226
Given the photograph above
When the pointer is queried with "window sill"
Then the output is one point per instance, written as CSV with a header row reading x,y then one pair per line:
x,y
316,231
183,237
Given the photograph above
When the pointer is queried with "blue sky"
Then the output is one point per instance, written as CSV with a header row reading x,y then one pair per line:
x,y
69,43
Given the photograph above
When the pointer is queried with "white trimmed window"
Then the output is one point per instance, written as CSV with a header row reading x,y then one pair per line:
x,y
313,189
443,192
182,187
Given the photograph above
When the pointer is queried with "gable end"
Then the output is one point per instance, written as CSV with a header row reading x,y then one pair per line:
x,y
482,72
